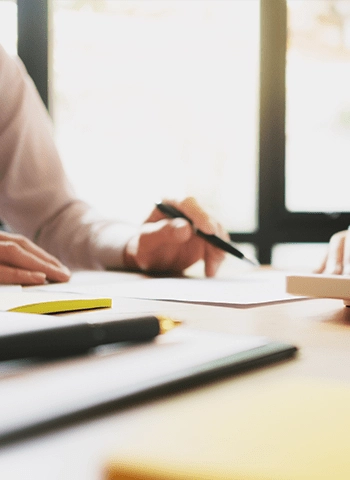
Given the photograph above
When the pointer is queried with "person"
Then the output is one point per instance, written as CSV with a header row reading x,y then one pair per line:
x,y
337,258
49,231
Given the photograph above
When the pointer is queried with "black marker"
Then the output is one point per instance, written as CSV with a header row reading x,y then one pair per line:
x,y
173,212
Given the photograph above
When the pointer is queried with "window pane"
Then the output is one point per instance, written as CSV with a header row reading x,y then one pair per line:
x,y
8,25
318,106
158,99
306,257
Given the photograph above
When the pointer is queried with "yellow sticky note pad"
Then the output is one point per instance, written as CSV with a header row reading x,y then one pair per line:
x,y
49,302
294,430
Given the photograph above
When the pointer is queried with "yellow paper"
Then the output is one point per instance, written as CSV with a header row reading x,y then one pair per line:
x,y
49,302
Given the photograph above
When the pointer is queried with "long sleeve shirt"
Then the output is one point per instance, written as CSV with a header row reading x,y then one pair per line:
x,y
36,198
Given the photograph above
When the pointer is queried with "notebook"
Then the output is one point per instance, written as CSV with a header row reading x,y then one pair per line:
x,y
35,396
293,429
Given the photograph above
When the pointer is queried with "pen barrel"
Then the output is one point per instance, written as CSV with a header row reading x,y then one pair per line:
x,y
136,329
219,243
47,342
172,212
77,339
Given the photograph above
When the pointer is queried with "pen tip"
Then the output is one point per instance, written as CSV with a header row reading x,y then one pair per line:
x,y
167,323
253,261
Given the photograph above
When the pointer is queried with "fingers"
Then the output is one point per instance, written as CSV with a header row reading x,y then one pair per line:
x,y
334,261
346,253
201,219
191,208
17,276
26,244
171,245
337,260
322,267
214,256
34,265
160,246
212,261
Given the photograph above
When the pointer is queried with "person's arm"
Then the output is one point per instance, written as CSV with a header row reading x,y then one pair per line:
x,y
36,199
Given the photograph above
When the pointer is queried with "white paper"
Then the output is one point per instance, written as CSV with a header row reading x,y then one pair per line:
x,y
250,289
14,288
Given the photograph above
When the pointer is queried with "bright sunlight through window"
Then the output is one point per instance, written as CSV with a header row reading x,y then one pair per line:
x,y
159,99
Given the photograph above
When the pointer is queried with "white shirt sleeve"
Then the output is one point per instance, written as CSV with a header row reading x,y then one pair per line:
x,y
36,198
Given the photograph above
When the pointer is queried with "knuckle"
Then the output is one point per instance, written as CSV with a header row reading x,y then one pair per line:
x,y
190,204
189,200
11,248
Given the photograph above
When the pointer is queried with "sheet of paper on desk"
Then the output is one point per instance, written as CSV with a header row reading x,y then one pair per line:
x,y
244,290
45,394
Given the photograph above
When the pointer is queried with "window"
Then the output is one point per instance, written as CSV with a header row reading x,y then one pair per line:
x,y
318,106
159,99
313,199
243,104
8,25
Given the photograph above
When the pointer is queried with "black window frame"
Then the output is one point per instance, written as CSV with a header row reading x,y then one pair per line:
x,y
276,224
33,28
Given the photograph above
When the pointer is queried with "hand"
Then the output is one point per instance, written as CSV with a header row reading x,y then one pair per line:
x,y
170,245
22,262
337,260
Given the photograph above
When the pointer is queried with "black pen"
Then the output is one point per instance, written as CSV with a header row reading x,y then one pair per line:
x,y
173,212
30,335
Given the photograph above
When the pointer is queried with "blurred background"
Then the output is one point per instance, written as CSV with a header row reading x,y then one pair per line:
x,y
243,104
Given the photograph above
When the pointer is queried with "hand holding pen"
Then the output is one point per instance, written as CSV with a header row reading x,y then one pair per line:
x,y
214,240
177,235
170,245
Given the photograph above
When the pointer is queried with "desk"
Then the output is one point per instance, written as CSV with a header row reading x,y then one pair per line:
x,y
320,328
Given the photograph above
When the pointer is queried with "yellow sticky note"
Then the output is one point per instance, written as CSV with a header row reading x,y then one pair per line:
x,y
49,302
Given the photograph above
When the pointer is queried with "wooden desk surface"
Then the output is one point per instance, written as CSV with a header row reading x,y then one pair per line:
x,y
320,328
